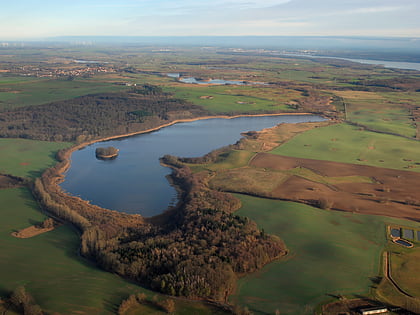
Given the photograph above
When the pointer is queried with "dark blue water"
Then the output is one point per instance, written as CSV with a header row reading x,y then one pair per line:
x,y
135,181
403,243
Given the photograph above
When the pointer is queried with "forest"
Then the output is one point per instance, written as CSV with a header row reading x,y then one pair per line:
x,y
197,250
94,116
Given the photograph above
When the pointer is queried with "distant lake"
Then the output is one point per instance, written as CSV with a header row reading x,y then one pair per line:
x,y
135,182
385,63
192,80
89,61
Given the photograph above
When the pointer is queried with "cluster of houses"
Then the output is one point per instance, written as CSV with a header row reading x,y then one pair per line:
x,y
34,71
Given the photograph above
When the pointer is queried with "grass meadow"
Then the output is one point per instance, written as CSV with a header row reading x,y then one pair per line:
x,y
233,99
348,144
331,253
381,111
28,158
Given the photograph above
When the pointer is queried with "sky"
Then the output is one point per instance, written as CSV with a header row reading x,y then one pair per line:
x,y
27,19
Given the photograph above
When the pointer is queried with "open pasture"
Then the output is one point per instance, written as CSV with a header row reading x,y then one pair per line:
x,y
350,144
232,99
381,111
28,158
331,253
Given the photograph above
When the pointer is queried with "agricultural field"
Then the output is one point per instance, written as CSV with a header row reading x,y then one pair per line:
x,y
28,158
182,307
350,144
404,265
235,99
344,248
387,112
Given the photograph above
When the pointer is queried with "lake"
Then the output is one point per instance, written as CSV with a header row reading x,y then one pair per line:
x,y
192,80
384,63
135,182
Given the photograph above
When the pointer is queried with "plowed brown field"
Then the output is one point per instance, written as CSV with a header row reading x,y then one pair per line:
x,y
393,193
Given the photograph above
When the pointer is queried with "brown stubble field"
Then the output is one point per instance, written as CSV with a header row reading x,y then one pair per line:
x,y
391,193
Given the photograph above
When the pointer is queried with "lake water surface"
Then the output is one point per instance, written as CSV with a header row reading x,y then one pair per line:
x,y
384,63
135,182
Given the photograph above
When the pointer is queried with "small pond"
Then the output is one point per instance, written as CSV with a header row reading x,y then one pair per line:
x,y
403,243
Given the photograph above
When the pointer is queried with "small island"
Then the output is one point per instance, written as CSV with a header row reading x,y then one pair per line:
x,y
106,153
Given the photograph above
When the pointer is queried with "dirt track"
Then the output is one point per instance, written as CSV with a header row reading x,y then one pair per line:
x,y
393,193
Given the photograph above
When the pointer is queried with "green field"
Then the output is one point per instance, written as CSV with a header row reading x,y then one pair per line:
x,y
28,158
183,307
16,92
349,144
230,99
331,253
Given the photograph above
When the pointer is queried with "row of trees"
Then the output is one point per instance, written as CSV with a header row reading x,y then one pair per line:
x,y
24,303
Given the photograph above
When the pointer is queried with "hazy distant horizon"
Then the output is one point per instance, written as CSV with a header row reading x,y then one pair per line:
x,y
386,45
27,19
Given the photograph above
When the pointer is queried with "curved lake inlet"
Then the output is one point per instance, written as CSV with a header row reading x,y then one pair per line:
x,y
135,182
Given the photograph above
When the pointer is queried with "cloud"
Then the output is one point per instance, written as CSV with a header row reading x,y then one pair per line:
x,y
369,10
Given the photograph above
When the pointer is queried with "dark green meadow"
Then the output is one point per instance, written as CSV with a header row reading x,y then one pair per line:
x,y
331,253
28,158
